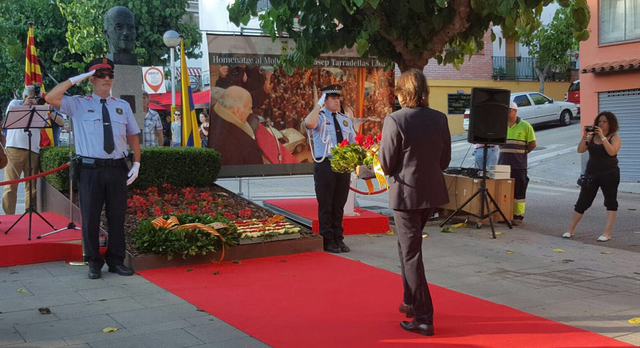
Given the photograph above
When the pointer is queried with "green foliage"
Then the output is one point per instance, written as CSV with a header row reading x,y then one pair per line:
x,y
153,17
163,241
51,46
407,33
346,159
176,166
69,33
550,45
53,157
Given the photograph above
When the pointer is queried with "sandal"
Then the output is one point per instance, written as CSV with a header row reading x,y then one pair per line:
x,y
603,239
567,235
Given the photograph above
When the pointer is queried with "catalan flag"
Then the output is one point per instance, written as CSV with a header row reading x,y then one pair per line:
x,y
33,75
190,133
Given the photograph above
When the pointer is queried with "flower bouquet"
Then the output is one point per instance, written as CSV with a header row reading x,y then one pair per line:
x,y
360,157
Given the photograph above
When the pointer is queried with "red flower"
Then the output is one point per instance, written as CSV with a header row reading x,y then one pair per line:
x,y
344,143
379,137
359,139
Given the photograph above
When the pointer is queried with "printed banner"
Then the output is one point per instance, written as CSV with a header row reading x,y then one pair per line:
x,y
266,132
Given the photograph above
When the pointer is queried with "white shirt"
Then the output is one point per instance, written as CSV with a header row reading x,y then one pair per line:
x,y
18,138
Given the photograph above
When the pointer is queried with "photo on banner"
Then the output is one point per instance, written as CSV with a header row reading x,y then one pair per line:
x,y
257,126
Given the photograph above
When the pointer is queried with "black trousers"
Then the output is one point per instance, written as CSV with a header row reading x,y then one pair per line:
x,y
409,225
332,190
608,183
98,187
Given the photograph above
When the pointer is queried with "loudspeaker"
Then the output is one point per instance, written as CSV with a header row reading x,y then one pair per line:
x,y
488,120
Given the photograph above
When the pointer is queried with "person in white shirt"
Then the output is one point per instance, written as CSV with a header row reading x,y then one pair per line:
x,y
17,150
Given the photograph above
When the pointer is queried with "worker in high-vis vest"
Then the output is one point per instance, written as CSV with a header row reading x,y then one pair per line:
x,y
520,141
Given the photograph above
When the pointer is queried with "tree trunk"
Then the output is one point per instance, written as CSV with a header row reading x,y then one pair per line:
x,y
541,77
408,64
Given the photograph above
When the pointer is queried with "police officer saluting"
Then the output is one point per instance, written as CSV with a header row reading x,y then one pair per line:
x,y
329,128
103,126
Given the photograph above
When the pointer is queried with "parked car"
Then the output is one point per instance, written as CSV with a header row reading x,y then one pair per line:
x,y
573,94
465,120
536,108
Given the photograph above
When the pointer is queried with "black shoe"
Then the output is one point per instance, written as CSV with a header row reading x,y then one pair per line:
x,y
407,310
331,247
414,326
343,247
94,273
121,270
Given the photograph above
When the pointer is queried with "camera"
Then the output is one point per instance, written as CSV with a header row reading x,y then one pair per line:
x,y
37,88
590,128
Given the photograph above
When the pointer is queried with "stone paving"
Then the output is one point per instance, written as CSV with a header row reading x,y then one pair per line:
x,y
591,287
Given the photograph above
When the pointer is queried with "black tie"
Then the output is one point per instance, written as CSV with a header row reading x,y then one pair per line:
x,y
337,126
106,126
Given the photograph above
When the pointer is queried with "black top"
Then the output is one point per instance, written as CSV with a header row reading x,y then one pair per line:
x,y
599,160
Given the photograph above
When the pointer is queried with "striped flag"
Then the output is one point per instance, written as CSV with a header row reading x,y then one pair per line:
x,y
190,133
33,75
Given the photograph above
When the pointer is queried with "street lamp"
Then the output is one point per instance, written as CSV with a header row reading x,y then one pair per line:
x,y
172,39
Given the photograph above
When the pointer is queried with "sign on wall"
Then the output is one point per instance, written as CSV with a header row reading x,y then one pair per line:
x,y
458,103
153,79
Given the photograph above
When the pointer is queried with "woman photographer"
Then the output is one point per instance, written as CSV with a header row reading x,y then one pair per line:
x,y
602,171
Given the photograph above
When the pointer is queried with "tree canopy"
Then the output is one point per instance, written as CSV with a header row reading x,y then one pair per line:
x,y
405,32
68,34
550,45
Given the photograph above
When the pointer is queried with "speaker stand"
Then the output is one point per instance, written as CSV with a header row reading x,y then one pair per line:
x,y
485,197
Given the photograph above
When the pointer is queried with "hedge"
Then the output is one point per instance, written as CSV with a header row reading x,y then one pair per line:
x,y
177,166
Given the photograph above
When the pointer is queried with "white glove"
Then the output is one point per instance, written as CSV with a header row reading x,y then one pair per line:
x,y
321,100
77,79
133,173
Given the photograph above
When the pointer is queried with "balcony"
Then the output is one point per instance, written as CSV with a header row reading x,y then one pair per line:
x,y
514,68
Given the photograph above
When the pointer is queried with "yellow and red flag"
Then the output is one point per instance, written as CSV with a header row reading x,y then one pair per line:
x,y
190,132
33,75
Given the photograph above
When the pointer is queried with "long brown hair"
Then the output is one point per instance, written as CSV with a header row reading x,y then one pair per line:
x,y
611,119
412,87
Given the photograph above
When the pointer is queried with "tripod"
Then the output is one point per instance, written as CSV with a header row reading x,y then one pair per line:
x,y
31,209
485,197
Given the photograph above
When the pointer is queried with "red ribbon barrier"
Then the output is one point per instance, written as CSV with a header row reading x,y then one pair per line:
x,y
39,175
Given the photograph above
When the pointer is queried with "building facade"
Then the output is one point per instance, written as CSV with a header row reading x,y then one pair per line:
x,y
610,75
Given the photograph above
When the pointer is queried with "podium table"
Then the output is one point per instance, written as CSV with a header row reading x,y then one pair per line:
x,y
460,188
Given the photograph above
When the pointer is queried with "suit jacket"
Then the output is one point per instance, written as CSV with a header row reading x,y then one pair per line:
x,y
234,145
414,150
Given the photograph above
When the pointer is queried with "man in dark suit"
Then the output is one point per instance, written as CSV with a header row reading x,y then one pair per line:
x,y
414,150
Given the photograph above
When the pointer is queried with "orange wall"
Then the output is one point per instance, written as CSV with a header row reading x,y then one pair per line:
x,y
591,53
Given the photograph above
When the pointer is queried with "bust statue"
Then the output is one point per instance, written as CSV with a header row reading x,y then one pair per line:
x,y
120,30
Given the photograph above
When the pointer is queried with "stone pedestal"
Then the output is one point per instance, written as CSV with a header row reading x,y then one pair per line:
x,y
128,85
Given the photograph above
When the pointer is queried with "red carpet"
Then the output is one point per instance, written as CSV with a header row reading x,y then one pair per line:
x,y
15,249
307,208
322,300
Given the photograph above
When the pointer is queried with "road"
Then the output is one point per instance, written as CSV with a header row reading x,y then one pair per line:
x,y
554,167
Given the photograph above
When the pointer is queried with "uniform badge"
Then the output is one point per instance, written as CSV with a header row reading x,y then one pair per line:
x,y
119,111
345,123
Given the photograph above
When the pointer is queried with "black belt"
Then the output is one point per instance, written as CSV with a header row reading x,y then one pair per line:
x,y
103,162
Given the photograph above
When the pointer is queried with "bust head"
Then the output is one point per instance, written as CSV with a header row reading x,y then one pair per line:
x,y
120,30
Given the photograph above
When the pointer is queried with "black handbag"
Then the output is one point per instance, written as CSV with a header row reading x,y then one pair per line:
x,y
585,180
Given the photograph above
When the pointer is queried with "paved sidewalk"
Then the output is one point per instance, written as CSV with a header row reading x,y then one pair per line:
x,y
591,287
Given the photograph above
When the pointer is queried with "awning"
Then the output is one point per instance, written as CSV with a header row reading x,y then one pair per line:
x,y
619,65
157,107
200,99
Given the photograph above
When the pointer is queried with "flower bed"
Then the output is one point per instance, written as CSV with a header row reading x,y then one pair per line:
x,y
237,218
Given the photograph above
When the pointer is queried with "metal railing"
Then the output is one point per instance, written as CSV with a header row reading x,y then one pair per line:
x,y
514,68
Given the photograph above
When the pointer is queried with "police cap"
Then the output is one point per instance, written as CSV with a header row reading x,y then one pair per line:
x,y
332,91
99,64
